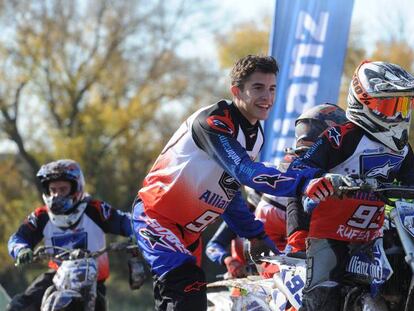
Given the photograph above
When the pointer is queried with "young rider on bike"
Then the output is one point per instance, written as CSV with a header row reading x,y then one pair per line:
x,y
373,144
71,218
308,127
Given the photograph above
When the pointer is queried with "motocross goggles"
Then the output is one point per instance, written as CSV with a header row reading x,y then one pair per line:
x,y
391,109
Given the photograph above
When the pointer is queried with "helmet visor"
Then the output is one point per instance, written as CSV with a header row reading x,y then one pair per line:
x,y
392,109
308,130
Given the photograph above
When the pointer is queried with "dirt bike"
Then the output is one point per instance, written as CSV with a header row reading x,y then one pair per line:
x,y
379,276
75,282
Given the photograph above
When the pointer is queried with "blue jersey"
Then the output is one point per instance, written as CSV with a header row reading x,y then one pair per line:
x,y
89,233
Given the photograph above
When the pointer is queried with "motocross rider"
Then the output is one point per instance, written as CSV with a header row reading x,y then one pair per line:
x,y
196,179
308,127
70,218
373,144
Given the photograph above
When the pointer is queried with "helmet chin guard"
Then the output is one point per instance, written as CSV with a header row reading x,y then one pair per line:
x,y
66,221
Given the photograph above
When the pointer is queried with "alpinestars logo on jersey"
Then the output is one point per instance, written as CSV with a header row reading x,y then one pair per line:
x,y
379,165
221,123
32,220
334,137
71,240
158,236
196,286
271,180
154,238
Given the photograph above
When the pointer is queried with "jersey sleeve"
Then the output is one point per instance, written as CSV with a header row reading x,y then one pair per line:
x,y
30,232
109,219
241,220
222,146
217,247
333,146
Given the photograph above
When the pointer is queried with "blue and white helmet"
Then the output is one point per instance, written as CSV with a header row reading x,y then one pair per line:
x,y
63,211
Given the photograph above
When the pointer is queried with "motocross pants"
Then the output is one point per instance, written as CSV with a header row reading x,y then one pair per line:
x,y
179,282
326,262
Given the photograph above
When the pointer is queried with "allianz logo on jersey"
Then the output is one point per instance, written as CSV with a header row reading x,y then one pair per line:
x,y
365,268
214,199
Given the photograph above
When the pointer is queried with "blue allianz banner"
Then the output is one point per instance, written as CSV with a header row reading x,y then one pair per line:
x,y
309,40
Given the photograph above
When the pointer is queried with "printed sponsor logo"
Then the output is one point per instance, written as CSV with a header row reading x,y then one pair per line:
x,y
154,238
379,165
196,286
222,123
156,235
106,210
31,220
271,180
214,199
71,240
369,269
334,136
231,154
229,185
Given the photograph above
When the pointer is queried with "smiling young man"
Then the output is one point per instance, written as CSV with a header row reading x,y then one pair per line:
x,y
197,178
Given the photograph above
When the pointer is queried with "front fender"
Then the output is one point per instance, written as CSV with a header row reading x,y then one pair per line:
x,y
61,300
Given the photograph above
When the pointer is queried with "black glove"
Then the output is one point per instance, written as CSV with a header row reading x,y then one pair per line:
x,y
24,256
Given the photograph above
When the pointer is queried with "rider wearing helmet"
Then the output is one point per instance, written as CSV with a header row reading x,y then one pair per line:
x,y
375,145
308,127
70,218
64,210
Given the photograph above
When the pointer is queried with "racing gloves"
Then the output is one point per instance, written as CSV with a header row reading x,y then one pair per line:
x,y
235,268
320,188
24,256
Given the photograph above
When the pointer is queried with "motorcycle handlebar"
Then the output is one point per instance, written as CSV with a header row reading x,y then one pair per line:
x,y
384,191
41,253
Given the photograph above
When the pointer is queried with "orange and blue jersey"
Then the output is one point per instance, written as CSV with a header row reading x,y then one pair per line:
x,y
197,177
199,172
348,149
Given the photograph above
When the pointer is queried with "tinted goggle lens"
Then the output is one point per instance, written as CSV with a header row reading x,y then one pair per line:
x,y
393,107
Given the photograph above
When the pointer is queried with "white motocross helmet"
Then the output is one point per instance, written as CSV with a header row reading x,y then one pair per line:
x,y
64,212
380,100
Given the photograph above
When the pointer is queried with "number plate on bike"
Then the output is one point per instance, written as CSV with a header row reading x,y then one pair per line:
x,y
406,214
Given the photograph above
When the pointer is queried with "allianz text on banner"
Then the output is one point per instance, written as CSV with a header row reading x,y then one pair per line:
x,y
309,40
